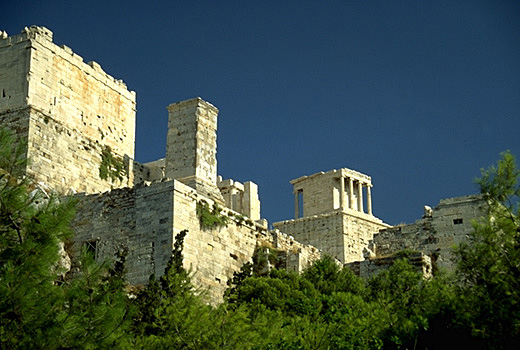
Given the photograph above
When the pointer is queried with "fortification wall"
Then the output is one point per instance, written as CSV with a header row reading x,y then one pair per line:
x,y
298,256
436,235
136,220
358,229
342,234
145,219
14,66
73,111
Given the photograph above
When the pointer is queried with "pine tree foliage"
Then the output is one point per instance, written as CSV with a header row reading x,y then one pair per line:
x,y
38,309
489,263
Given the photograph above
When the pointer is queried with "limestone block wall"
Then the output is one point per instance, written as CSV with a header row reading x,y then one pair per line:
x,y
138,220
73,109
154,227
324,232
66,160
191,150
14,66
436,235
105,222
358,229
156,170
298,256
144,221
213,255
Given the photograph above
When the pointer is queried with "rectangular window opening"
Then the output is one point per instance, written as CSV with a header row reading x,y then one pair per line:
x,y
458,221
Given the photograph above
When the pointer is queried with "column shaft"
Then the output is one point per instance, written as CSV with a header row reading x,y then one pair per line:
x,y
360,196
369,200
351,193
341,193
296,205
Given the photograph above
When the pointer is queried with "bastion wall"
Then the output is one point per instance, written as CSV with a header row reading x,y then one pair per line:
x,y
67,111
436,234
143,221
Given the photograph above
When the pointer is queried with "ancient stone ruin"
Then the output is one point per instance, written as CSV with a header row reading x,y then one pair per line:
x,y
79,125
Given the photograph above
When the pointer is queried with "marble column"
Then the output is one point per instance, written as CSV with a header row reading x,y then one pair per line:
x,y
369,199
360,196
351,193
296,205
341,193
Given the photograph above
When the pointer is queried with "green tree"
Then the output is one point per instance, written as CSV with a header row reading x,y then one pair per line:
x,y
323,308
489,262
96,312
38,309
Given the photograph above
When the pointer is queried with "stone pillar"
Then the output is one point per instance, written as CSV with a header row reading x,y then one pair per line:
x,y
341,192
369,199
351,193
296,205
360,196
191,149
251,203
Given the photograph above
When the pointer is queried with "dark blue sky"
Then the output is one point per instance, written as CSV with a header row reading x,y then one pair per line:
x,y
418,94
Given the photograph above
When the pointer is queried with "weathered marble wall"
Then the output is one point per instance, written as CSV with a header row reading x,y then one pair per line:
x,y
436,235
191,149
67,110
145,219
340,234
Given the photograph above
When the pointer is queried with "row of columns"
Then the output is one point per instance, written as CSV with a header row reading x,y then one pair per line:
x,y
351,201
350,198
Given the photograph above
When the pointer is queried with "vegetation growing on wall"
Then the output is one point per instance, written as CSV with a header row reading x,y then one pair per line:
x,y
111,167
266,258
210,218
